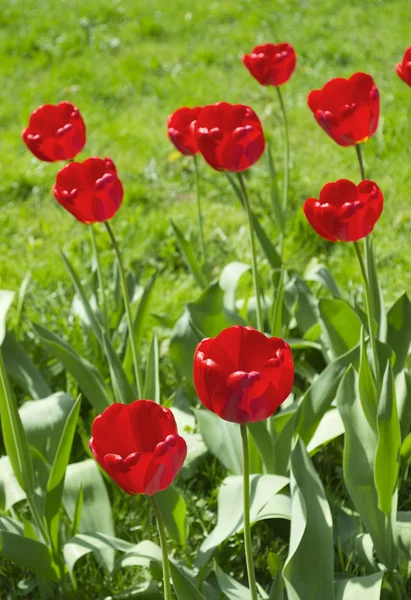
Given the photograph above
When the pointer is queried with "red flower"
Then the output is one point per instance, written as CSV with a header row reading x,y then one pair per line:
x,y
404,68
271,64
347,109
229,136
242,375
55,132
89,190
345,212
180,129
138,445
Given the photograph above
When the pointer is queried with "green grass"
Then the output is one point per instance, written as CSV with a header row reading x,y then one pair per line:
x,y
127,64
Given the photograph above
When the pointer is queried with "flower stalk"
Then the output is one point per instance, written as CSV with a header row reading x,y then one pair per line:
x,y
163,543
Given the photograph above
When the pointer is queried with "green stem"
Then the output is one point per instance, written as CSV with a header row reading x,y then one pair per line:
x,y
99,277
163,543
360,161
286,165
253,252
199,212
369,315
246,503
395,587
127,307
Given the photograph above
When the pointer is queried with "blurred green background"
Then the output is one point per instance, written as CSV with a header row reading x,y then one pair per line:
x,y
127,64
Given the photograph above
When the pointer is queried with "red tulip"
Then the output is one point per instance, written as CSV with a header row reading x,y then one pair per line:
x,y
55,132
229,136
180,130
242,375
89,190
345,212
404,68
347,109
138,445
271,64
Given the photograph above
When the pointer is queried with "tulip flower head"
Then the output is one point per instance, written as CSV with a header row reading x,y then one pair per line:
x,y
345,212
229,136
242,375
55,132
271,64
404,67
138,446
89,190
347,109
180,129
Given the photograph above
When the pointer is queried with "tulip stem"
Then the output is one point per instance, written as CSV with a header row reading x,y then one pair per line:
x,y
127,307
286,166
99,277
199,212
360,161
163,543
246,504
369,315
253,252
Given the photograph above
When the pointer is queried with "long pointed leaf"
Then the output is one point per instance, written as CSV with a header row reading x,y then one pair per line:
x,y
189,257
152,380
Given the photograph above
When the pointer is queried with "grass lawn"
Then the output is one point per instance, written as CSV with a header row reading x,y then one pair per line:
x,y
127,64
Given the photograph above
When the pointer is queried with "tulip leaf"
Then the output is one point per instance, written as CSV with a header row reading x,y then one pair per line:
x,y
189,257
232,589
360,588
277,315
99,543
10,490
301,303
264,443
55,483
152,380
308,574
229,278
399,331
388,446
96,512
329,428
275,197
366,386
403,393
209,314
358,466
377,300
174,512
138,322
21,369
86,375
321,274
222,438
230,511
183,344
6,300
183,587
340,324
31,554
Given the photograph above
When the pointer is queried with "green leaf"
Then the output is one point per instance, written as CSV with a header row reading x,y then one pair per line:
x,y
189,257
388,446
330,427
22,369
301,303
32,555
10,490
275,197
209,314
230,510
377,300
360,588
317,399
358,464
266,244
75,526
96,512
399,331
277,592
184,589
403,393
222,438
366,386
55,483
277,320
138,323
20,304
152,380
264,443
309,575
341,325
14,436
196,448
183,344
122,389
232,589
174,512
321,274
229,278
98,543
86,375
6,300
